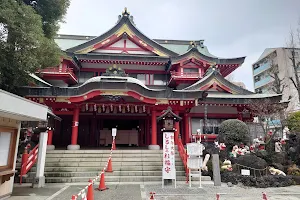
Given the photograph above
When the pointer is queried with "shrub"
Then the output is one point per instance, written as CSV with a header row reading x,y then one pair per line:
x,y
260,182
293,122
233,132
294,170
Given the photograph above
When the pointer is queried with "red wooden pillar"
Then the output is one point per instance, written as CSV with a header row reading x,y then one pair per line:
x,y
50,136
93,130
154,128
186,128
176,133
75,126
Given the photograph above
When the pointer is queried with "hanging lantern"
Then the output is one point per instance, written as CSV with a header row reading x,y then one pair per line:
x,y
128,108
103,108
120,108
99,109
135,108
132,109
144,108
86,107
95,107
123,109
91,108
111,108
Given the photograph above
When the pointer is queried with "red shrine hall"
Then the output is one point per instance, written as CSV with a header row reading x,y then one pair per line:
x,y
124,79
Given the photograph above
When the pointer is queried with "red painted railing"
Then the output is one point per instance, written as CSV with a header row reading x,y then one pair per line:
x,y
57,70
185,74
28,160
183,156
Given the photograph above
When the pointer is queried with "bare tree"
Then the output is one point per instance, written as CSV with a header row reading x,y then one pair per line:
x,y
293,57
266,110
277,85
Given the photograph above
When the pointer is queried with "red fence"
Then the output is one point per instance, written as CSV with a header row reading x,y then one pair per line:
x,y
28,160
183,156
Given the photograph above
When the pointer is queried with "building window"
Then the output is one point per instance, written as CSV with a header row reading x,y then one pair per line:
x,y
7,148
159,79
257,78
259,91
190,70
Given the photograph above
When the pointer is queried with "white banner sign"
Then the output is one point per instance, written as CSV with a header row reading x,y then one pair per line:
x,y
245,172
114,132
194,149
169,171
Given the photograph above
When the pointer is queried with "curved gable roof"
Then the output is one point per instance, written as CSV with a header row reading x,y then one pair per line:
x,y
194,52
125,24
215,76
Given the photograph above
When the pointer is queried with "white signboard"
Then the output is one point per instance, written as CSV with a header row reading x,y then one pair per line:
x,y
245,172
114,132
194,149
194,163
168,171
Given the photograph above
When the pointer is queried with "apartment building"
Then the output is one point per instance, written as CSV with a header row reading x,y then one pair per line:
x,y
263,69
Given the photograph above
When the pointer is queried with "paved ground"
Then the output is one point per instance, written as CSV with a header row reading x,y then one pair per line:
x,y
141,192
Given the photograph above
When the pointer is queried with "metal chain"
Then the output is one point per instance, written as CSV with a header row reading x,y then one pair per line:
x,y
205,118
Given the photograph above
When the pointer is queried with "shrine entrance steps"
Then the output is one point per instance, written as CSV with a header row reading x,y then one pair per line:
x,y
136,166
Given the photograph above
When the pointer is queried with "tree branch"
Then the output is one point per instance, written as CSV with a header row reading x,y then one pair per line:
x,y
294,83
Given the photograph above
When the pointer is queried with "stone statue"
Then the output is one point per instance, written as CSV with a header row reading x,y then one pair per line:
x,y
285,132
278,147
274,171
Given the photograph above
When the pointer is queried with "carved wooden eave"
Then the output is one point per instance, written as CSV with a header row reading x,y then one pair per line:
x,y
169,114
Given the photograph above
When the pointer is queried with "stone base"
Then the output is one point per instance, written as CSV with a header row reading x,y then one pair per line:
x,y
154,147
50,147
38,182
73,147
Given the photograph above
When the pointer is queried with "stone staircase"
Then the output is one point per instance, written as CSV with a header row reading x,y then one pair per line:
x,y
65,166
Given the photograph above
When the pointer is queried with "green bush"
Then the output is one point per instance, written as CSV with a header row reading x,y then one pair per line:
x,y
233,132
293,122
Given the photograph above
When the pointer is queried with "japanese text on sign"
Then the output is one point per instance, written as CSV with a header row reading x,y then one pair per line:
x,y
168,156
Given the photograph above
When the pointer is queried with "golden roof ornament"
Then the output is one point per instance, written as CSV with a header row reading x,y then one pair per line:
x,y
193,44
125,12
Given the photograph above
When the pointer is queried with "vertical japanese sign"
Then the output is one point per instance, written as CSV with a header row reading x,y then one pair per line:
x,y
169,171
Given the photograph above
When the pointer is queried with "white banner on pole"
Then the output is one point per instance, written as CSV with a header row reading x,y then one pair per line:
x,y
169,171
114,132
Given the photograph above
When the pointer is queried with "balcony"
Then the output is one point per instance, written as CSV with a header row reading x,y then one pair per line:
x,y
56,73
263,82
261,68
184,77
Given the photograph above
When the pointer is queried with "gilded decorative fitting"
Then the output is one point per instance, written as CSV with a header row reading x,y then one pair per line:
x,y
125,12
114,66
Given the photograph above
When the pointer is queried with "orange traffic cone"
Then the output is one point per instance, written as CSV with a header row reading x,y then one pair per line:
x,y
265,196
109,166
90,192
152,195
217,196
102,182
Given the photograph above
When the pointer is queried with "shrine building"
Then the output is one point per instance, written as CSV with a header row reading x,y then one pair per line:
x,y
124,79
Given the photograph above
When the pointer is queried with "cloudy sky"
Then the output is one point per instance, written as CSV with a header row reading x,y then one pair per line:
x,y
230,28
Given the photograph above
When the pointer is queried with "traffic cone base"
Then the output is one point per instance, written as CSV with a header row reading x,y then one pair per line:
x,y
102,185
109,166
90,193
